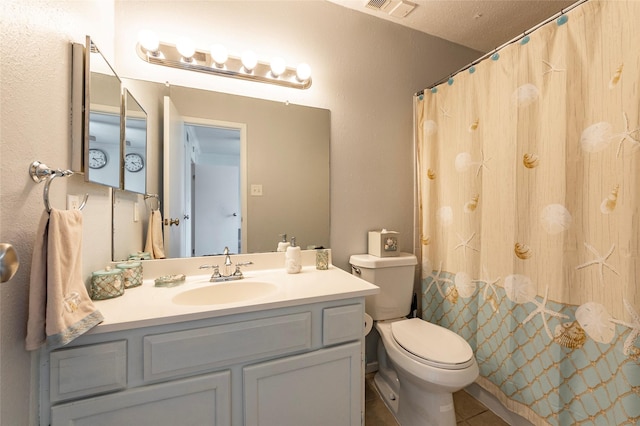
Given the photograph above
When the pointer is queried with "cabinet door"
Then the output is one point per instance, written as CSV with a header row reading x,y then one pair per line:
x,y
198,401
314,389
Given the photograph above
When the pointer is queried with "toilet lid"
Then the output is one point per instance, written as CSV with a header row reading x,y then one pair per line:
x,y
435,345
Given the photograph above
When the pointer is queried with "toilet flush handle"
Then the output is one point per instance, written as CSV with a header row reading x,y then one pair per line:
x,y
355,270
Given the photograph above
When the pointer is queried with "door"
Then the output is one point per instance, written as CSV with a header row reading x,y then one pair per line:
x,y
313,389
174,181
217,209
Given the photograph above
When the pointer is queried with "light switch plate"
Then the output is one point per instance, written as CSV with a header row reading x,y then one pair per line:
x,y
73,202
256,190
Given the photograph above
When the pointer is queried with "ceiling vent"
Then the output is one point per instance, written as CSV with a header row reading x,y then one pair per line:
x,y
395,8
378,4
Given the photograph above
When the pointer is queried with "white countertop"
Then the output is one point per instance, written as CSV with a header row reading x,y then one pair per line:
x,y
148,305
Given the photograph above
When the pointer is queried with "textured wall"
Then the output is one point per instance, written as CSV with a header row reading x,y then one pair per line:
x,y
35,56
365,70
369,98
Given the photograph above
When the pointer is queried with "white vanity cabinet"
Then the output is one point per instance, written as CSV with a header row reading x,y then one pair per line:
x,y
292,366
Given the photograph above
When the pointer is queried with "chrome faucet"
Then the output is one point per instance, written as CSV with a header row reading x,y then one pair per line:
x,y
227,275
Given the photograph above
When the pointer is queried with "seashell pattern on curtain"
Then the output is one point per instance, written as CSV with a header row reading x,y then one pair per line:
x,y
530,228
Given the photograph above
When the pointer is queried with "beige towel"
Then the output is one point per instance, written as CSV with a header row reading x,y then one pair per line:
x,y
59,306
155,241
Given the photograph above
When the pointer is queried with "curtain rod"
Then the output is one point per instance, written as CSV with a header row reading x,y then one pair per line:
x,y
514,40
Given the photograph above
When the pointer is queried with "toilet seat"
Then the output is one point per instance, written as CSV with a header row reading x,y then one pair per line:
x,y
432,344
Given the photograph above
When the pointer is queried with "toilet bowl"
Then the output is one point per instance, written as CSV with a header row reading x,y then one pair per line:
x,y
420,366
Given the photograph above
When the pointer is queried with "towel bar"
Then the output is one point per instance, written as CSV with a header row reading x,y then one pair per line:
x,y
40,172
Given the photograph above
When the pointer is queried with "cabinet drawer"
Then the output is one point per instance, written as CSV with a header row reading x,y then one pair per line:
x,y
204,400
189,351
342,324
88,370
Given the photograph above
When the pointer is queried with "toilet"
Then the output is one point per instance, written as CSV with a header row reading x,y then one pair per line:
x,y
420,364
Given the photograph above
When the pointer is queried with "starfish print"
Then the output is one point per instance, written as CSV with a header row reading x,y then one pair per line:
x,y
551,68
482,163
445,112
600,261
629,343
542,310
465,244
489,286
435,279
626,135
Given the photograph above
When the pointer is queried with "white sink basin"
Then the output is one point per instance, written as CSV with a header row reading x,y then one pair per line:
x,y
221,293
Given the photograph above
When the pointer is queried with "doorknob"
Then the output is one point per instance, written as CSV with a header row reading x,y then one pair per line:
x,y
9,262
171,222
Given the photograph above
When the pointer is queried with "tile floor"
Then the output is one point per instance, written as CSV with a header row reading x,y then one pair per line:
x,y
469,412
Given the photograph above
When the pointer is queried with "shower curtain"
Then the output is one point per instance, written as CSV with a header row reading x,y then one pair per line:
x,y
528,186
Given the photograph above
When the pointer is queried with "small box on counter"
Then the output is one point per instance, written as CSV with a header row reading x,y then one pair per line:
x,y
384,243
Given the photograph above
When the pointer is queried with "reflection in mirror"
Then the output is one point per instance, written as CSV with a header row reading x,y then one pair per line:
x,y
102,135
217,167
135,147
287,171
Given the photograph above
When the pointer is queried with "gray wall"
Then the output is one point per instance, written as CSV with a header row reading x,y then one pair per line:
x,y
365,71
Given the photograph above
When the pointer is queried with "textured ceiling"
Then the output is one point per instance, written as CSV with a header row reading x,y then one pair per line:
x,y
478,24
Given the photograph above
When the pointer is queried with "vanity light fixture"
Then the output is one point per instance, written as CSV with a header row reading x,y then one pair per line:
x,y
219,55
278,66
249,61
186,49
216,61
149,42
303,72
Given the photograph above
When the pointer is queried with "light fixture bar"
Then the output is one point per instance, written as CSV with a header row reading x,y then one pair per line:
x,y
202,61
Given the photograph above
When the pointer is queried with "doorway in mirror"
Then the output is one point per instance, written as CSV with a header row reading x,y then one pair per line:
x,y
216,210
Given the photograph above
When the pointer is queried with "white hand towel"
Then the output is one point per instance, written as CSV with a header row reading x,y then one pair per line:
x,y
155,241
60,308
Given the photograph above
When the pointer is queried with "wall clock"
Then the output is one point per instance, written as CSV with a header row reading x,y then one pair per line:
x,y
133,162
97,158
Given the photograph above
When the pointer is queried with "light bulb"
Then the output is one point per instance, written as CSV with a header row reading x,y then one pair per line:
x,y
303,72
277,66
219,55
185,47
149,41
249,60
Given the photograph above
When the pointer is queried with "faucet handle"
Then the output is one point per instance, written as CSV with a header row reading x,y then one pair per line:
x,y
238,272
216,270
207,266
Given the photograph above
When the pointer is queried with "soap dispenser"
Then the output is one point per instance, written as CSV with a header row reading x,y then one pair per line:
x,y
293,258
283,244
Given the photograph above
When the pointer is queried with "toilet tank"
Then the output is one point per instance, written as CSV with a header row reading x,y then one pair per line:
x,y
394,276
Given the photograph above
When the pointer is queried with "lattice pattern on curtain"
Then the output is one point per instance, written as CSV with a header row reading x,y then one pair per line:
x,y
529,172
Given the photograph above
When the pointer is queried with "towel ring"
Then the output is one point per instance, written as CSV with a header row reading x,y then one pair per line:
x,y
147,196
39,172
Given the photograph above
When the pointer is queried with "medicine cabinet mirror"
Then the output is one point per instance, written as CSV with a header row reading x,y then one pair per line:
x,y
96,117
135,145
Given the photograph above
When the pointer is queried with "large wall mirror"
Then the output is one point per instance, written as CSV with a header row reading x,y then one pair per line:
x,y
237,171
